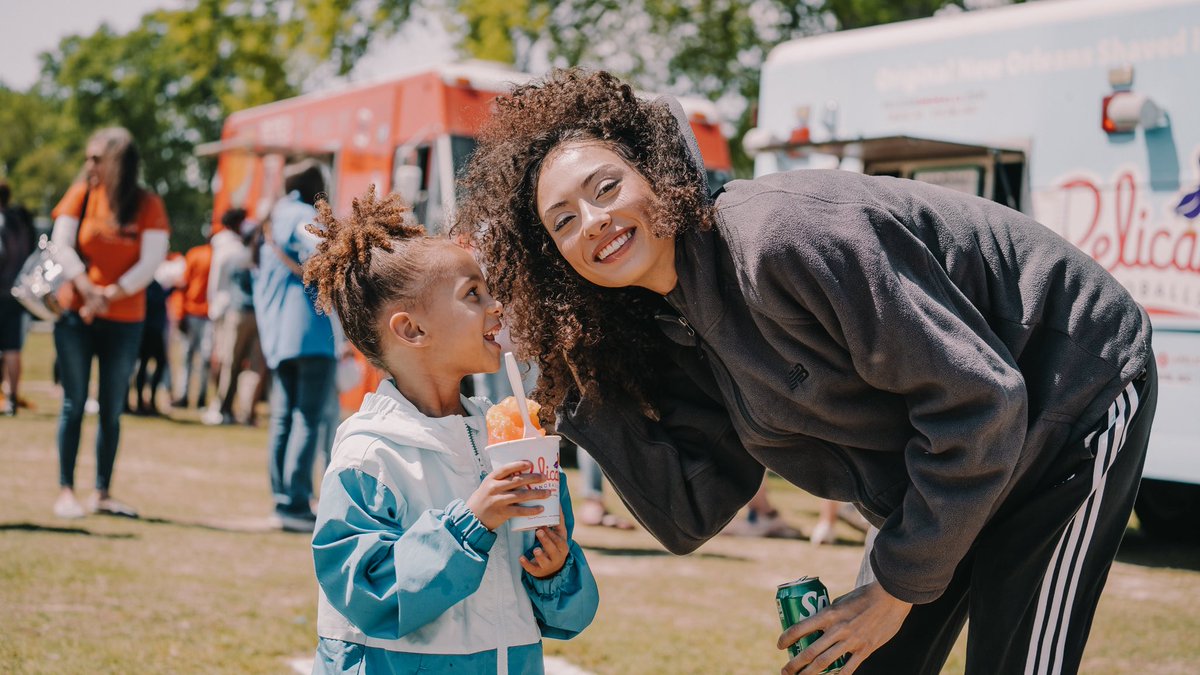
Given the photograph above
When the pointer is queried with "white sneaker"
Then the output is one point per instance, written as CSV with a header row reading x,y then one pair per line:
x,y
822,534
293,523
212,416
67,507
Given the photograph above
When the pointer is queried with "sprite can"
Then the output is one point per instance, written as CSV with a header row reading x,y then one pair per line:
x,y
797,600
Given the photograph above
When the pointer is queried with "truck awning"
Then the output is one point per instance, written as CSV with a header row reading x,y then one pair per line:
x,y
893,148
252,147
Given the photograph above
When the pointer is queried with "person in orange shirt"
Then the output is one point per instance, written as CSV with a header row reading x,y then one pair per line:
x,y
195,323
111,234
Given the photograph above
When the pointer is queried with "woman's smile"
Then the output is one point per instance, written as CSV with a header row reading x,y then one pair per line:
x,y
616,246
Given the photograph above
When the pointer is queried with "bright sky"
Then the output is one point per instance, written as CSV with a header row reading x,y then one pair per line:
x,y
35,26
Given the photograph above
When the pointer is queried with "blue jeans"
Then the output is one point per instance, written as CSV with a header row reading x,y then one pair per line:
x,y
329,425
116,345
199,344
593,477
299,399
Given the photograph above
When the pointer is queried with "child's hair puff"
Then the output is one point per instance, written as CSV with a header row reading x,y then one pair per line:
x,y
374,256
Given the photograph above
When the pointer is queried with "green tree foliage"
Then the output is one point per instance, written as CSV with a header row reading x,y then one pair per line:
x,y
341,30
35,141
503,30
171,81
714,48
174,78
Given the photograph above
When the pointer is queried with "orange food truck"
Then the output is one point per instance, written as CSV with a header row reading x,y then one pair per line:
x,y
411,135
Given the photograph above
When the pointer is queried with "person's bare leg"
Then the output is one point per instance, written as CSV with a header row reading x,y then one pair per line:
x,y
826,519
760,503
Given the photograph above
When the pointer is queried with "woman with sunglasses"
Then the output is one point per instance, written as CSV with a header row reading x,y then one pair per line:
x,y
111,234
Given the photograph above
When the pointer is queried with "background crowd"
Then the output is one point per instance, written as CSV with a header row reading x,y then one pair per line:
x,y
222,328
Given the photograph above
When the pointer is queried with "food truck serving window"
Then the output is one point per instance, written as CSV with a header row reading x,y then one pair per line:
x,y
981,170
968,179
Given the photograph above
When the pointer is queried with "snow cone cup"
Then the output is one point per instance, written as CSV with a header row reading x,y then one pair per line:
x,y
542,452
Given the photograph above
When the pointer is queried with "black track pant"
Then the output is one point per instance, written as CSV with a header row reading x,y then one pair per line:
x,y
1031,583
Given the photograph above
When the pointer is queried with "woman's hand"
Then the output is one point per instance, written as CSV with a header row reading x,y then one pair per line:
x,y
114,292
550,557
857,624
495,501
93,297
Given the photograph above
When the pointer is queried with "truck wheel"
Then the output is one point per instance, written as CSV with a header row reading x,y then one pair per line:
x,y
1169,510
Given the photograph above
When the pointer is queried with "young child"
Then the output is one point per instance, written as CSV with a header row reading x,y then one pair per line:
x,y
416,568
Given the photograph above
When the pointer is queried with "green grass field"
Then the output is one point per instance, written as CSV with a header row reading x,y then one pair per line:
x,y
196,585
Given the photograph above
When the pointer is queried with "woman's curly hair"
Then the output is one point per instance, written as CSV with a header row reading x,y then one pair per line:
x,y
375,256
585,338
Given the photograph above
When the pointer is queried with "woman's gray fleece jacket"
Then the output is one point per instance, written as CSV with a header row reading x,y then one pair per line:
x,y
927,355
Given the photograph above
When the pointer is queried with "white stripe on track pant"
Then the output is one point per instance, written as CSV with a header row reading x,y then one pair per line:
x,y
1033,577
1061,581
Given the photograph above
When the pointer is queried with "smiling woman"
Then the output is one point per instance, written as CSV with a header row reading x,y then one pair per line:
x,y
599,216
978,387
603,339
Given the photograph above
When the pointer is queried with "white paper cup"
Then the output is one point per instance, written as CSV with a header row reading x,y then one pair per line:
x,y
542,452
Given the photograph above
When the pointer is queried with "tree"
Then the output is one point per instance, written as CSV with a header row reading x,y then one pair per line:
x,y
714,48
171,81
32,149
342,30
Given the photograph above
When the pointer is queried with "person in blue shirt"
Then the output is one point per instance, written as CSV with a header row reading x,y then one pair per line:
x,y
416,567
297,344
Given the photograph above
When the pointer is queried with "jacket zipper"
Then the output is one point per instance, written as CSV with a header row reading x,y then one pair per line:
x,y
723,373
502,540
483,472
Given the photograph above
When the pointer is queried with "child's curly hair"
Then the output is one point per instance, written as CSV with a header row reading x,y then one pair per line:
x,y
375,256
584,337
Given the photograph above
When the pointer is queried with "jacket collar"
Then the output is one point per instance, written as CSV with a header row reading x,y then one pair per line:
x,y
388,414
697,296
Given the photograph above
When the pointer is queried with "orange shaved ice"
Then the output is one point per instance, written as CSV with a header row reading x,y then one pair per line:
x,y
504,421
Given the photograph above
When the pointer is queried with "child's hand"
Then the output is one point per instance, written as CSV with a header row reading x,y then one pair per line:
x,y
552,555
495,501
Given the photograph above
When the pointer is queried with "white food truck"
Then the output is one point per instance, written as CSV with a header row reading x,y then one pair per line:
x,y
1084,114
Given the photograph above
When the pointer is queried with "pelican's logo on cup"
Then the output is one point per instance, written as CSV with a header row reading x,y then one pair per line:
x,y
546,469
542,453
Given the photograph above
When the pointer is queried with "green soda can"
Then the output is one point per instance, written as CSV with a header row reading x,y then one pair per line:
x,y
797,600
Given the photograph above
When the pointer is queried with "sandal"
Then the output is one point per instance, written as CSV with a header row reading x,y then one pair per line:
x,y
112,507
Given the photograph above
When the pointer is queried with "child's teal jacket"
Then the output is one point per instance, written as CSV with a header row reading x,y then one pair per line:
x,y
409,579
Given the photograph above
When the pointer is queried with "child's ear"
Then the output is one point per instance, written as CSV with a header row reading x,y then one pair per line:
x,y
405,328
